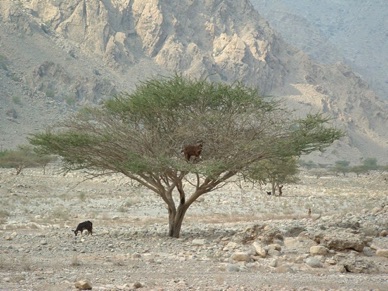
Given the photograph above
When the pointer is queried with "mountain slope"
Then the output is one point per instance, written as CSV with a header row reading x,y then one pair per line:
x,y
59,55
332,30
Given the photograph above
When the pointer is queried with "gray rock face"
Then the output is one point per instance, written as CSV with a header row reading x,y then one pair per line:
x,y
81,52
330,31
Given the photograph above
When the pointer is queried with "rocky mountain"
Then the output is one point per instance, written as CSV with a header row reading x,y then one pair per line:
x,y
354,32
57,55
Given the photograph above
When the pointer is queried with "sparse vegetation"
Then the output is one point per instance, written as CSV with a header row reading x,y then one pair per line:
x,y
82,196
12,113
23,157
4,214
140,135
50,93
308,165
60,213
17,100
75,262
341,167
3,62
275,172
70,100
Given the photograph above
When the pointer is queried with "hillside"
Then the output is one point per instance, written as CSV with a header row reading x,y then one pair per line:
x,y
58,55
354,32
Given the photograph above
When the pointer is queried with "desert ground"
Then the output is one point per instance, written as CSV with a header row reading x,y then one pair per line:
x,y
236,238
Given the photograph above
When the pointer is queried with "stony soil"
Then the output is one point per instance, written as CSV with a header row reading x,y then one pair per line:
x,y
237,238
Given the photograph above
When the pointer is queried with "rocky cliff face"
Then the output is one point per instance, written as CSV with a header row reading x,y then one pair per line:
x,y
332,30
59,54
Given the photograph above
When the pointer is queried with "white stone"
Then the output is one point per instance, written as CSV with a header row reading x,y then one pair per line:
x,y
230,246
199,242
240,256
259,250
382,253
313,262
318,250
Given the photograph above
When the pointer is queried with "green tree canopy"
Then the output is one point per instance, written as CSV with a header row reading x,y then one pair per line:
x,y
341,167
370,163
23,157
275,171
141,135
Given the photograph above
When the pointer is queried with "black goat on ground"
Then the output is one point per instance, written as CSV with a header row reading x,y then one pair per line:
x,y
86,225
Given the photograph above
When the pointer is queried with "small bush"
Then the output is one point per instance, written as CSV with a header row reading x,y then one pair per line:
x,y
74,261
60,213
71,101
17,100
82,196
3,63
23,157
3,216
50,93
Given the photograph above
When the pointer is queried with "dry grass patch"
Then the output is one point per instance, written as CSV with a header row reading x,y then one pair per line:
x,y
4,214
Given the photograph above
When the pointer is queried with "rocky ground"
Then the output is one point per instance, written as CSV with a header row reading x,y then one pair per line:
x,y
237,238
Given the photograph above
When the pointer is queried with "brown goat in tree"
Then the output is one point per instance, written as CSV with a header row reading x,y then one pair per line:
x,y
193,151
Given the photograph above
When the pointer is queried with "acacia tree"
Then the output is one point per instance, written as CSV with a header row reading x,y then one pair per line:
x,y
141,134
275,171
23,157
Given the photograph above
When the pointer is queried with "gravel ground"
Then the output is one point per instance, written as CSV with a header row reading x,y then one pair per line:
x,y
130,249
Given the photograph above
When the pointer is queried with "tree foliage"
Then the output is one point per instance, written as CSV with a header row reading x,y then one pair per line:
x,y
23,157
141,135
370,164
341,167
275,171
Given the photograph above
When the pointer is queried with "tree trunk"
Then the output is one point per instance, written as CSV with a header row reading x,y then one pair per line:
x,y
273,188
175,220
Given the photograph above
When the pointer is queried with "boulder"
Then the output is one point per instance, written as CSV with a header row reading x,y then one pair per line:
x,y
313,262
382,253
240,256
341,239
318,250
83,285
259,249
354,264
230,246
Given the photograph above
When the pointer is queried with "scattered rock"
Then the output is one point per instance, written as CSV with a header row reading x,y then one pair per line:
x,y
382,253
271,235
353,264
83,285
384,233
11,236
137,285
259,249
198,242
313,262
230,246
284,269
341,239
233,268
240,256
318,250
